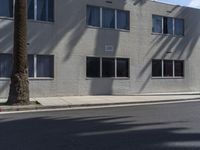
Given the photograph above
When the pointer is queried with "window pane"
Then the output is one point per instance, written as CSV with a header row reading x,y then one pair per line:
x,y
5,65
6,8
31,65
179,68
45,66
122,67
108,67
179,27
30,6
93,67
157,24
108,18
42,11
93,16
168,68
156,68
123,19
167,25
51,10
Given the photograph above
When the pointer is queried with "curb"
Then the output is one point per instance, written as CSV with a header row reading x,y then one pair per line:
x,y
78,106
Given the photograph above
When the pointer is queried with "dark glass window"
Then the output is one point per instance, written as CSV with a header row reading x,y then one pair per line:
x,y
44,10
93,67
45,66
108,67
122,67
108,18
6,8
157,24
30,6
123,19
93,16
168,68
31,65
157,68
51,10
167,25
5,65
179,27
179,68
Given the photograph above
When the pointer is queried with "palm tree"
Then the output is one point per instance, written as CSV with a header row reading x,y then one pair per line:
x,y
19,87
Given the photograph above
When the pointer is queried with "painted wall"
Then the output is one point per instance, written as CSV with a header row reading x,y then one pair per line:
x,y
70,41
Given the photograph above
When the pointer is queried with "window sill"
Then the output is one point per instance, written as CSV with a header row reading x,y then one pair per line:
x,y
39,21
41,78
167,77
4,79
161,34
113,29
6,18
29,20
113,78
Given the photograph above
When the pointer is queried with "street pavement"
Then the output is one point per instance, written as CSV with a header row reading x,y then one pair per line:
x,y
148,127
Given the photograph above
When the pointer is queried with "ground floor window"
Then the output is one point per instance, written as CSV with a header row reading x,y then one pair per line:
x,y
38,66
5,65
167,68
93,67
97,67
41,66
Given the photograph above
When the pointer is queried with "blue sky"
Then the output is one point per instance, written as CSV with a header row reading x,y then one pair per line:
x,y
190,3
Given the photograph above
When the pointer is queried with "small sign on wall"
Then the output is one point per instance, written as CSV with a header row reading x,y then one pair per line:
x,y
109,48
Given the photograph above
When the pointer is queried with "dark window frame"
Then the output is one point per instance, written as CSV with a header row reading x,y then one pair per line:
x,y
183,68
115,67
52,71
49,18
115,17
163,25
99,71
183,21
173,76
34,76
11,11
87,17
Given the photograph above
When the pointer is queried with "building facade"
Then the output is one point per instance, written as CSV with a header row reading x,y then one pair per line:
x,y
105,47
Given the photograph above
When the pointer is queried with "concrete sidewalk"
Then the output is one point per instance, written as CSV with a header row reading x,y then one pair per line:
x,y
89,101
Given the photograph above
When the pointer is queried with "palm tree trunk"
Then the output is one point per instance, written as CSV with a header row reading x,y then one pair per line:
x,y
19,87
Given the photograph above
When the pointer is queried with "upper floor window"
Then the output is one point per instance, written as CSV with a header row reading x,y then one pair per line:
x,y
179,26
108,18
123,20
93,16
167,25
42,10
6,8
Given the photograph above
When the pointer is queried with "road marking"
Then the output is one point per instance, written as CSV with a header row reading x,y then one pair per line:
x,y
105,106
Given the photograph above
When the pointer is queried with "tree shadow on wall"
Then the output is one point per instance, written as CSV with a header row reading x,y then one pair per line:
x,y
173,47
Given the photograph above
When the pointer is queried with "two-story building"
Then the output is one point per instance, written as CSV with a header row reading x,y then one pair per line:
x,y
104,47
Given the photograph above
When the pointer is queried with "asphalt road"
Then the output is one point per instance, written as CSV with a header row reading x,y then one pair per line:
x,y
155,127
